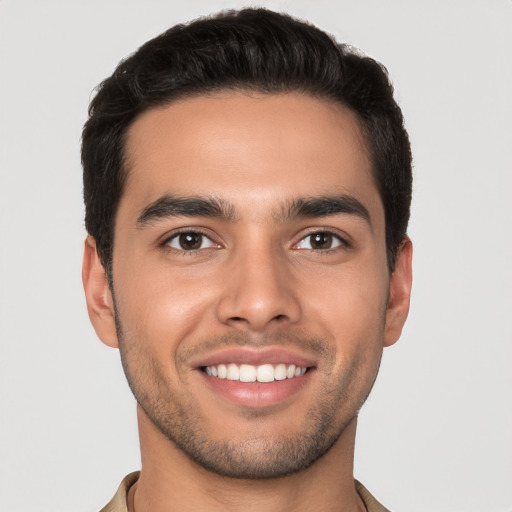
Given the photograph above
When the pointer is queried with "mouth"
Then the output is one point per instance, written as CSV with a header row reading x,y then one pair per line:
x,y
256,379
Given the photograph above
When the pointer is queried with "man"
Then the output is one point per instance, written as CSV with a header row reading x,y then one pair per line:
x,y
247,187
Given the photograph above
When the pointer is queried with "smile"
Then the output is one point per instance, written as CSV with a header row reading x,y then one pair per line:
x,y
255,378
250,373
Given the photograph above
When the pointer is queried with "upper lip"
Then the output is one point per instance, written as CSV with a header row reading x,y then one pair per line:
x,y
255,357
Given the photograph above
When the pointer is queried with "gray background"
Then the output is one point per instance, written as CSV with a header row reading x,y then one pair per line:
x,y
436,434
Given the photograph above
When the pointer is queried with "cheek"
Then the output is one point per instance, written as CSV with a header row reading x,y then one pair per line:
x,y
161,308
351,301
349,311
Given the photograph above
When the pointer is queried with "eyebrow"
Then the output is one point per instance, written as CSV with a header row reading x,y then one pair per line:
x,y
325,206
173,206
213,207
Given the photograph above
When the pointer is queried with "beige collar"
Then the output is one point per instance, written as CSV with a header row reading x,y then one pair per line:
x,y
119,504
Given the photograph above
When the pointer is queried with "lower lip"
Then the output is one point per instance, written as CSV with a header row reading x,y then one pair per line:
x,y
257,394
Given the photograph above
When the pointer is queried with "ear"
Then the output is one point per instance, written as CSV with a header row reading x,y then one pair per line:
x,y
100,304
399,293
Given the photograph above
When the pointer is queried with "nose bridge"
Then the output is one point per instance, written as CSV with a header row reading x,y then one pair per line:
x,y
259,290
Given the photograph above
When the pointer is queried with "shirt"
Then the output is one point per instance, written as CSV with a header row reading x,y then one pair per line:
x,y
119,504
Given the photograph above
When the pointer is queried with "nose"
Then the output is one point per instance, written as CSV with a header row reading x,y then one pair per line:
x,y
259,291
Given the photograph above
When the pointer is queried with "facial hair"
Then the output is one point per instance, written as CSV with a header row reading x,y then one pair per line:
x,y
257,455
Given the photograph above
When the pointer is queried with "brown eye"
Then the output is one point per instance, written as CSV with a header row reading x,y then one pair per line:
x,y
190,241
322,240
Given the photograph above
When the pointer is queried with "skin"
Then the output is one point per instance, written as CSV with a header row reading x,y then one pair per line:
x,y
256,283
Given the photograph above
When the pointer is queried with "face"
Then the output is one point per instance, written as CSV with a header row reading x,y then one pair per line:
x,y
251,291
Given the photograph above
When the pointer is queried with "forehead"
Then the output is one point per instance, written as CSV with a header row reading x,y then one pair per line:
x,y
247,147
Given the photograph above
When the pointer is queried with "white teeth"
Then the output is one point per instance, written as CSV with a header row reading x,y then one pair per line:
x,y
222,371
280,372
249,373
265,373
233,373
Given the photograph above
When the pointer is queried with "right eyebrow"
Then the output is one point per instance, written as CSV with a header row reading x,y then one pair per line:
x,y
174,206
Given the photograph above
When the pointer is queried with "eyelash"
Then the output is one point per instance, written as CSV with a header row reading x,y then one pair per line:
x,y
342,241
186,231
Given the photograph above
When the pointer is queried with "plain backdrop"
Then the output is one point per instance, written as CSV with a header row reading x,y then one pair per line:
x,y
436,434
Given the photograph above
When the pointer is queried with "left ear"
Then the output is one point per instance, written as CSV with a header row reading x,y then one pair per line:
x,y
399,293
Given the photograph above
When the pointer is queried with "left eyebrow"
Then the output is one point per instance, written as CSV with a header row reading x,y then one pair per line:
x,y
325,206
174,206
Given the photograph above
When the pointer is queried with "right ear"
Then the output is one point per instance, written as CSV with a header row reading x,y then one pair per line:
x,y
98,296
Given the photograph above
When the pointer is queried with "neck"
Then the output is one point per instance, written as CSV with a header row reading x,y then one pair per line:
x,y
170,480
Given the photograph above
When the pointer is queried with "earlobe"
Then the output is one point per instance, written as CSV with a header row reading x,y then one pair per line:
x,y
98,296
399,293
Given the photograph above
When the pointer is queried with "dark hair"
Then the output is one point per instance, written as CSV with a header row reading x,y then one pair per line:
x,y
250,49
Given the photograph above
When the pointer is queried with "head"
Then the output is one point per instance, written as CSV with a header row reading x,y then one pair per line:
x,y
247,188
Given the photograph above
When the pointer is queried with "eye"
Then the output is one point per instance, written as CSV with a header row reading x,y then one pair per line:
x,y
190,241
321,240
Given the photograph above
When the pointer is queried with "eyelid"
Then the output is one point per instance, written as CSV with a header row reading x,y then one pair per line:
x,y
164,241
344,239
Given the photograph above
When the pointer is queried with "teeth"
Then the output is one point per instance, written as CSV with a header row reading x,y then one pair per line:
x,y
280,372
249,373
222,371
265,373
233,373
